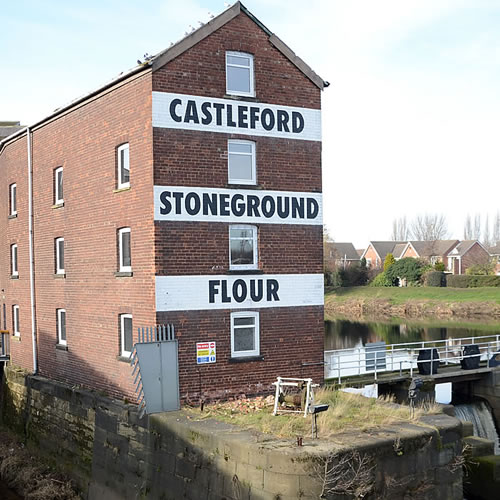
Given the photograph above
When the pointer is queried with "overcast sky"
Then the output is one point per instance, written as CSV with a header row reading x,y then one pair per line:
x,y
411,121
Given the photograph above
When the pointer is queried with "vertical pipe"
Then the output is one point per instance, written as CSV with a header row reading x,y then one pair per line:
x,y
31,253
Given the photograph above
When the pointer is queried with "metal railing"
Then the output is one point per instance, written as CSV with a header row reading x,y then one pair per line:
x,y
364,360
4,344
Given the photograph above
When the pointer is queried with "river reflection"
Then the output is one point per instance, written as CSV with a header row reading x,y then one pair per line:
x,y
343,334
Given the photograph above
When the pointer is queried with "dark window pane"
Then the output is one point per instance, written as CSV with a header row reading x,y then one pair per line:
x,y
244,321
62,326
244,339
127,334
242,252
61,253
126,259
60,185
124,166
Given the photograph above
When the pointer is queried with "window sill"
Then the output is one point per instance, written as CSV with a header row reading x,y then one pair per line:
x,y
244,359
16,338
58,205
241,97
122,189
62,347
124,274
234,185
123,359
60,275
12,216
245,271
14,277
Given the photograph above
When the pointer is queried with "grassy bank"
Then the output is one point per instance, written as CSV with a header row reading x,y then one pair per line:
x,y
414,302
396,295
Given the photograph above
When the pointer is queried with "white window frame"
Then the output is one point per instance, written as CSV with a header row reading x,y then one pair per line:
x,y
59,269
58,200
120,183
60,340
15,320
254,265
13,199
256,350
122,268
251,73
14,260
234,180
123,352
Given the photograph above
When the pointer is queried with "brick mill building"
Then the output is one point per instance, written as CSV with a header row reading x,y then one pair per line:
x,y
187,191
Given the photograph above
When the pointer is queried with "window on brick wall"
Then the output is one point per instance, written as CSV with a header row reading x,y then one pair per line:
x,y
123,172
58,186
59,255
126,334
239,74
245,334
124,254
13,199
241,162
15,320
14,270
61,326
242,247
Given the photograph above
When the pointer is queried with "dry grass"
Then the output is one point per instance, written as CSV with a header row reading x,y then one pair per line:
x,y
347,412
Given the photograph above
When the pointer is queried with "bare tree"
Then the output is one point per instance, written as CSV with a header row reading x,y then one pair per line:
x,y
400,229
486,241
468,228
496,229
476,230
429,227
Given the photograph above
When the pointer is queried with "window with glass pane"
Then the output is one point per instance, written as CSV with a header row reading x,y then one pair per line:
x,y
242,247
239,74
241,162
123,166
58,185
125,255
13,199
59,255
15,320
61,326
13,255
245,334
126,334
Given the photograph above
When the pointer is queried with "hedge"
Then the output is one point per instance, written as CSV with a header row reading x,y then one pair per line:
x,y
471,281
434,278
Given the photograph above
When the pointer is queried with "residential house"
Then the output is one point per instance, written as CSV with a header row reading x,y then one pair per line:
x,y
376,252
495,254
342,254
9,128
467,253
431,251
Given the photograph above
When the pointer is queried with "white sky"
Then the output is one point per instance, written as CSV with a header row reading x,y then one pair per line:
x,y
411,120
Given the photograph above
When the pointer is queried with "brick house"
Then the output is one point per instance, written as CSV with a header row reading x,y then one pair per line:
x,y
376,252
186,191
341,255
495,254
467,253
431,251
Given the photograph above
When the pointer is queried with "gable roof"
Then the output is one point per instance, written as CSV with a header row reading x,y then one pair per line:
x,y
382,248
207,29
433,248
398,250
342,250
163,57
463,247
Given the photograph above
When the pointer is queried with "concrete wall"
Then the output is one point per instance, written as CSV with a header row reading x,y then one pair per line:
x,y
114,455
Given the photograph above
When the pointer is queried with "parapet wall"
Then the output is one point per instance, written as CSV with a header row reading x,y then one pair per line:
x,y
112,454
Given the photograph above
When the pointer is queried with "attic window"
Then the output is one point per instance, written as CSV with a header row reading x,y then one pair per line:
x,y
239,74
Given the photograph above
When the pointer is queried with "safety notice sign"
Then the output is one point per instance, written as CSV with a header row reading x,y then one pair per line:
x,y
205,353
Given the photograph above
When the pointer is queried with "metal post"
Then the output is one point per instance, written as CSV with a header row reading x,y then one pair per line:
x,y
359,361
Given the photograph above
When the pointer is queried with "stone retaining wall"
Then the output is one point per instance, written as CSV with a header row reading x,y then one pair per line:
x,y
114,455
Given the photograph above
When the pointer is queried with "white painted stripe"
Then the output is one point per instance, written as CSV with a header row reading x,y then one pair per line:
x,y
195,293
235,201
162,117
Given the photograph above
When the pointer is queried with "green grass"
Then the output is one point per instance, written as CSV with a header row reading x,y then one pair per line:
x,y
396,295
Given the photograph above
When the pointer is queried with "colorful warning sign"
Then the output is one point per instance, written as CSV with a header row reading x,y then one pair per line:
x,y
205,353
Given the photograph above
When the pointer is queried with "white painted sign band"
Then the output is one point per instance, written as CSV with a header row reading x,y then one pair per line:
x,y
174,203
195,293
188,112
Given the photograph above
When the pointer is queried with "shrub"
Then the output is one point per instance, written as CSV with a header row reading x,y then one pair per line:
x,y
485,269
354,276
333,278
468,281
407,268
389,261
439,266
434,278
381,280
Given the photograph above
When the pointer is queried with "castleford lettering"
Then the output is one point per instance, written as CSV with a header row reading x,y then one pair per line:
x,y
228,116
194,293
230,205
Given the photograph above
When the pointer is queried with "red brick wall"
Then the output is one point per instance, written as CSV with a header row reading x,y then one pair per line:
x,y
13,169
289,340
475,255
409,252
371,254
288,336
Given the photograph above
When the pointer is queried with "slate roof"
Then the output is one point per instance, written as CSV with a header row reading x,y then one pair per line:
x,y
343,249
462,248
384,247
7,129
398,250
436,247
